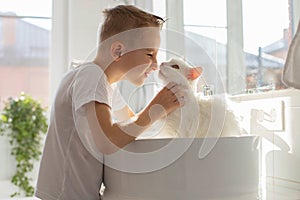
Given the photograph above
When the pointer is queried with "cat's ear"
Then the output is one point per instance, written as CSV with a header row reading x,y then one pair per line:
x,y
194,73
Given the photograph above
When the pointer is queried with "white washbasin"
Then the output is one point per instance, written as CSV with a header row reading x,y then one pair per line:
x,y
170,169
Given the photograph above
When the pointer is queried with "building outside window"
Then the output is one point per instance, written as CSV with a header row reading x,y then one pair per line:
x,y
24,49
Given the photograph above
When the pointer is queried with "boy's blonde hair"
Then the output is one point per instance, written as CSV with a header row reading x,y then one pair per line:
x,y
125,17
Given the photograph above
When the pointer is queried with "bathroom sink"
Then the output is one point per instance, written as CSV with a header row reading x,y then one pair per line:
x,y
172,169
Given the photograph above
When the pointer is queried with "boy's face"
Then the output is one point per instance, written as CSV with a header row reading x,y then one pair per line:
x,y
139,65
141,61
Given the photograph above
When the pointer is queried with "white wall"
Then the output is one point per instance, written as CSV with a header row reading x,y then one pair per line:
x,y
7,169
281,140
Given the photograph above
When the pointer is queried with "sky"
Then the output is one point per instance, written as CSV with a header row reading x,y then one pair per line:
x,y
264,20
41,8
27,7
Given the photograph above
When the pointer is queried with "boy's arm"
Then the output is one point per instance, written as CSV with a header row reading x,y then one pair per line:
x,y
110,137
124,114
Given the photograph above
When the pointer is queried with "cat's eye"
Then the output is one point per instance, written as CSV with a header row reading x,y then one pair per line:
x,y
175,66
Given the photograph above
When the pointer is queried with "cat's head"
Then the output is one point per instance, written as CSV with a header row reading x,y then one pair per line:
x,y
180,72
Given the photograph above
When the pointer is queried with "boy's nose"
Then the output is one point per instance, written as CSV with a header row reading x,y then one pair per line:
x,y
154,66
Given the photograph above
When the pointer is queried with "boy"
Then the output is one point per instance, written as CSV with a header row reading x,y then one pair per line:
x,y
81,128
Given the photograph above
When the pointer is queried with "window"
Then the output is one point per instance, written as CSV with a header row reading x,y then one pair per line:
x,y
247,40
267,34
24,49
205,23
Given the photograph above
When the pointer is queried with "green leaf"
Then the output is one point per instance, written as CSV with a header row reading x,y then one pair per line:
x,y
25,121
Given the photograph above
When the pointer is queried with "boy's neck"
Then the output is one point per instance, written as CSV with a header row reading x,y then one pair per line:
x,y
109,70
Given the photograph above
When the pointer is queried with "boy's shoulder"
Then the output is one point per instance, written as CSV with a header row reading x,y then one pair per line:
x,y
86,68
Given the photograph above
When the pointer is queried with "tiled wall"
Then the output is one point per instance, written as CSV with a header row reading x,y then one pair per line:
x,y
280,131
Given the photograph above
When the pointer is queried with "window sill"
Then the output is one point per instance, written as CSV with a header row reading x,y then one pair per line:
x,y
266,95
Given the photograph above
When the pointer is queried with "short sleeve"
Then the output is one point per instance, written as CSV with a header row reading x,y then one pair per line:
x,y
90,84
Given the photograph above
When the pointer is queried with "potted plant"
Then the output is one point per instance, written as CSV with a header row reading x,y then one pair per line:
x,y
24,121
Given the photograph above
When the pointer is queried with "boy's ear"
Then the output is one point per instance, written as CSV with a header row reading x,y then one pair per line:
x,y
116,50
194,73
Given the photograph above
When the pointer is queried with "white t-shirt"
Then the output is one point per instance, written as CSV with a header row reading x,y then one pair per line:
x,y
71,167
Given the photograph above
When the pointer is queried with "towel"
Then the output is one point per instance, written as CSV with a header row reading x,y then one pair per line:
x,y
291,71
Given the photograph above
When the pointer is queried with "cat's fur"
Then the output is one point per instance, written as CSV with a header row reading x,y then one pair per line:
x,y
201,116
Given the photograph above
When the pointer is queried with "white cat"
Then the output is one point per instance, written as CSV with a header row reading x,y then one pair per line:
x,y
201,116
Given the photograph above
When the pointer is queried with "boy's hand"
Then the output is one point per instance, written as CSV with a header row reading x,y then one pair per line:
x,y
170,97
166,101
